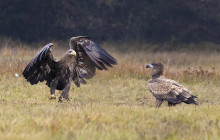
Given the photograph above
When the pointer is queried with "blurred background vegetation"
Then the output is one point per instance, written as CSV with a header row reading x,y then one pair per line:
x,y
181,34
171,22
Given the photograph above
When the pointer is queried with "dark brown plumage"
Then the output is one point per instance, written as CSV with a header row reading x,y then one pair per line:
x,y
166,89
78,63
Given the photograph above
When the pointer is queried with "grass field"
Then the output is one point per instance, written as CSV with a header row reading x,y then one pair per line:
x,y
115,104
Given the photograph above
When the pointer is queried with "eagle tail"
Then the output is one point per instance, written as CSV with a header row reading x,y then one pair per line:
x,y
191,100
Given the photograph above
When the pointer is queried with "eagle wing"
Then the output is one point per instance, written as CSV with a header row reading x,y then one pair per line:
x,y
89,57
41,67
170,90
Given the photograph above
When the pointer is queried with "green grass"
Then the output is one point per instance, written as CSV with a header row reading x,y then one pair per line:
x,y
115,104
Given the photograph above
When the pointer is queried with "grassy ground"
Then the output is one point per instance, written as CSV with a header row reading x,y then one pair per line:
x,y
115,104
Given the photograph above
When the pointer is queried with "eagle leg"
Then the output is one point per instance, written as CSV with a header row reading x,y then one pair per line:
x,y
65,93
158,103
53,86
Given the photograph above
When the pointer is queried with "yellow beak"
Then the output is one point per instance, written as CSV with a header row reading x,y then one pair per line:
x,y
73,53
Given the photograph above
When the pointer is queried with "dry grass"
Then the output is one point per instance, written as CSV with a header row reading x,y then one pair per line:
x,y
115,104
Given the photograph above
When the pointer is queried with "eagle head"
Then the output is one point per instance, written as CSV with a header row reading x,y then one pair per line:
x,y
157,69
71,52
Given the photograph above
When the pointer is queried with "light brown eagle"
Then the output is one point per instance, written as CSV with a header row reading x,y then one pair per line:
x,y
166,89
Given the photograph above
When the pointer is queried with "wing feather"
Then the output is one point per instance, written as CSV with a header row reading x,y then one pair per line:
x,y
89,57
170,90
96,53
40,66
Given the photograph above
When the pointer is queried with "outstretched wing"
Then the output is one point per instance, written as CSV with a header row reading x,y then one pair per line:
x,y
98,55
170,90
41,66
89,57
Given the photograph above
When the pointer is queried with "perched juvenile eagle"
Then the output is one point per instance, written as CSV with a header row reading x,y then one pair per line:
x,y
78,63
166,89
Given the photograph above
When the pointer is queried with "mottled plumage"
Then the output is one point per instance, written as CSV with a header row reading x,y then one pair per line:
x,y
166,89
78,63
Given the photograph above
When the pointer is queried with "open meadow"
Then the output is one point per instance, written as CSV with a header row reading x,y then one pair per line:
x,y
115,104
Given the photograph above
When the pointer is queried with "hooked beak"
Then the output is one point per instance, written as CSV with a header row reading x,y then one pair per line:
x,y
149,66
73,53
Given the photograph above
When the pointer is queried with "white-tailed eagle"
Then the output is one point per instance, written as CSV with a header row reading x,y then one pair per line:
x,y
166,89
77,64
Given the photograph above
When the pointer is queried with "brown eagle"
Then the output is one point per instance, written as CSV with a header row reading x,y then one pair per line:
x,y
77,64
166,89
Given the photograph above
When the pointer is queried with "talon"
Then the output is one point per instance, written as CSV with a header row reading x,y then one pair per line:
x,y
60,99
52,97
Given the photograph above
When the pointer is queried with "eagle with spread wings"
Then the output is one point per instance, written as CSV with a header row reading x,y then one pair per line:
x,y
164,89
78,63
